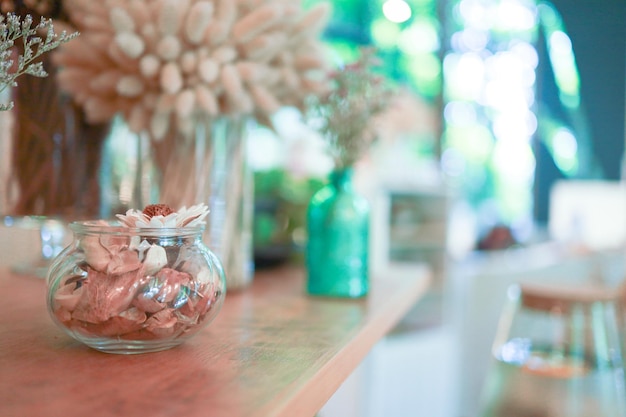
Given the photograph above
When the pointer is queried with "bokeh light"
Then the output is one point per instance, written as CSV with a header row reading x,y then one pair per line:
x,y
397,11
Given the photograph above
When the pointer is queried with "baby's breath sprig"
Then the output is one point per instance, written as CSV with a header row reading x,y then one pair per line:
x,y
344,115
13,29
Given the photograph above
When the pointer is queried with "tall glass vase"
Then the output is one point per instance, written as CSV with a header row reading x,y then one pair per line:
x,y
204,164
49,164
337,250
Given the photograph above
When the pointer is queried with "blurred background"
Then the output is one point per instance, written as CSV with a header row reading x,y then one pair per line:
x,y
502,161
499,101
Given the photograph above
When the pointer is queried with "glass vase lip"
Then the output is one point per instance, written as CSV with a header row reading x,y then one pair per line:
x,y
86,227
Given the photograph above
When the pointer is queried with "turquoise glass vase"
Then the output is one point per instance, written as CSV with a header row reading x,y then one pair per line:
x,y
338,239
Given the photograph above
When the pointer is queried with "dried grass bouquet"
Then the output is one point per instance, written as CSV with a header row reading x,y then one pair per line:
x,y
345,116
162,62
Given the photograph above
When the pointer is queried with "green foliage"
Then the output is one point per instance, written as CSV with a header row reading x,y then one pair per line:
x,y
281,201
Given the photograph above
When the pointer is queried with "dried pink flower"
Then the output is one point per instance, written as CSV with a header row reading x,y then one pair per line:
x,y
105,295
129,306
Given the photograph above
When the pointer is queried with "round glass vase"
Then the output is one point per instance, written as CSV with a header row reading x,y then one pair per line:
x,y
134,290
557,353
337,249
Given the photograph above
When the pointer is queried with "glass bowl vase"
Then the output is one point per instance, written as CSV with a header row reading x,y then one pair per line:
x,y
134,290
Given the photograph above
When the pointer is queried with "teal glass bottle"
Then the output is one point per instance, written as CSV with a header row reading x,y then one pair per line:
x,y
337,249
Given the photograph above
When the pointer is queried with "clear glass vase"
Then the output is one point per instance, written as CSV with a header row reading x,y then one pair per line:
x,y
557,353
126,290
337,249
204,164
50,164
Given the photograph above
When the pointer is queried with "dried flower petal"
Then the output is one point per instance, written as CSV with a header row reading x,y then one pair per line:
x,y
123,261
159,124
149,65
130,86
168,221
208,70
126,322
172,280
206,99
185,103
156,258
131,44
105,296
198,20
121,20
162,323
96,255
169,48
146,301
192,216
67,296
188,62
171,78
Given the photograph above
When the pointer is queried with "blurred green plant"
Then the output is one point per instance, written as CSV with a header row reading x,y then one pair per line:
x,y
281,201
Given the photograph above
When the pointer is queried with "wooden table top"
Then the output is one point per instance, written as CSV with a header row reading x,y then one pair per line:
x,y
272,351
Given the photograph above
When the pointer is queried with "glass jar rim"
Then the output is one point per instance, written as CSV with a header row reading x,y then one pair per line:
x,y
117,228
552,296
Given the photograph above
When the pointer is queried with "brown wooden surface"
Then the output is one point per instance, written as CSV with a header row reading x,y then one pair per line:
x,y
272,351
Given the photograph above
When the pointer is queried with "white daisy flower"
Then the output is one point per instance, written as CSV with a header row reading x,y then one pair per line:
x,y
162,216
